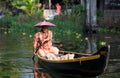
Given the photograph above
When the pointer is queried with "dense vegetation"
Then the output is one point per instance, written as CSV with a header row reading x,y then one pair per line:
x,y
68,30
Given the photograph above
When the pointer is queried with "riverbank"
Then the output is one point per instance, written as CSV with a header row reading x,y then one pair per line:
x,y
68,30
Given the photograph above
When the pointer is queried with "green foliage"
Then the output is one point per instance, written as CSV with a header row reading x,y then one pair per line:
x,y
78,11
7,12
66,31
28,6
20,25
69,33
106,29
7,21
66,28
99,13
24,25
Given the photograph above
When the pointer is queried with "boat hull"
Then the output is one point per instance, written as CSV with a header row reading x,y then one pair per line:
x,y
86,67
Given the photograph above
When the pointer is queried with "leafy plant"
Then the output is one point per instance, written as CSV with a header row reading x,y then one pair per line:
x,y
78,11
28,6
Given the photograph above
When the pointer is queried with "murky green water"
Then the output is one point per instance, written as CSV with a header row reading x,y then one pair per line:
x,y
15,57
16,62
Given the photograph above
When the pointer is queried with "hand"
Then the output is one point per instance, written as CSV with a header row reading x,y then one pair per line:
x,y
45,40
34,53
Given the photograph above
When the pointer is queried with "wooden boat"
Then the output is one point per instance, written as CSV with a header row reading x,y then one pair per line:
x,y
82,64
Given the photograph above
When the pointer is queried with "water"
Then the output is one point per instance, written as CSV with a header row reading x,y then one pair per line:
x,y
16,62
15,57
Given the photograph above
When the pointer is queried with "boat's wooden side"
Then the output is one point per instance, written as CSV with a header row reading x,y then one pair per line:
x,y
88,65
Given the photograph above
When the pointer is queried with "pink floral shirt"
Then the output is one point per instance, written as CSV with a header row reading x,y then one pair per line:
x,y
43,39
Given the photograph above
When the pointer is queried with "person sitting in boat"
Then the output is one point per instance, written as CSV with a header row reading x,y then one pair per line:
x,y
43,40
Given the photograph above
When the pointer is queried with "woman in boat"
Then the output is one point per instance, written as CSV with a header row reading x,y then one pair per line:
x,y
43,40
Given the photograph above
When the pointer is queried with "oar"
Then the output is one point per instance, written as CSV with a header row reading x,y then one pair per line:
x,y
35,52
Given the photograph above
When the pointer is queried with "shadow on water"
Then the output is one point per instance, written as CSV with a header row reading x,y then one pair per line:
x,y
40,72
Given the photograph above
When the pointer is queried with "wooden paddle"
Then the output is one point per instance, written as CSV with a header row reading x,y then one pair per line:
x,y
35,52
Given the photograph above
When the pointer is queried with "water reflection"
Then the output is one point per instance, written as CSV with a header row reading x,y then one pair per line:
x,y
91,43
40,72
112,72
